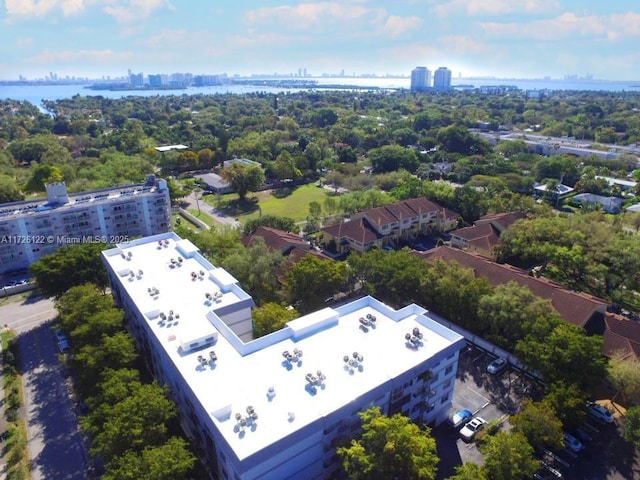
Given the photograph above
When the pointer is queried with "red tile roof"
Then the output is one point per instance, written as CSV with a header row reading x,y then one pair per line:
x,y
357,229
574,307
276,239
485,234
621,336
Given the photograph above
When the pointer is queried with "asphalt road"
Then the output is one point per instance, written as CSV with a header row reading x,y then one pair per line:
x,y
55,445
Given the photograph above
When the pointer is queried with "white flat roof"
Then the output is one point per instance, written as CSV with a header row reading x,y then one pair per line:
x,y
168,148
243,374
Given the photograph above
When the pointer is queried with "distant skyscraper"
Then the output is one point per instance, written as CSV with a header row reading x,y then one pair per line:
x,y
420,79
442,79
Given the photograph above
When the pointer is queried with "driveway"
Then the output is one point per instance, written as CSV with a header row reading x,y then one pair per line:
x,y
195,200
55,445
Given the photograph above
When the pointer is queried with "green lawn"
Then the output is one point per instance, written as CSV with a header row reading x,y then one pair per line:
x,y
292,203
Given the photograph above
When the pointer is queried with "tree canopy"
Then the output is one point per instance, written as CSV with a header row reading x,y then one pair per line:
x,y
390,447
69,266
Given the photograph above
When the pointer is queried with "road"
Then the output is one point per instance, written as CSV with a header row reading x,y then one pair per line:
x,y
55,444
195,199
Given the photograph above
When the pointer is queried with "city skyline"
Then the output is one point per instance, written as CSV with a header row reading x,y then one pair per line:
x,y
532,39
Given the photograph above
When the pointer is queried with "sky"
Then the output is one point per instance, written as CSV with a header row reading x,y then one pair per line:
x,y
499,38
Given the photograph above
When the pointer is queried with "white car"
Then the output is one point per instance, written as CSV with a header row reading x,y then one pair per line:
x,y
471,428
572,443
600,413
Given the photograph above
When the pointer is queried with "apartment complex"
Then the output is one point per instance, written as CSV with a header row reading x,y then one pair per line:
x,y
388,225
420,79
275,407
32,229
442,79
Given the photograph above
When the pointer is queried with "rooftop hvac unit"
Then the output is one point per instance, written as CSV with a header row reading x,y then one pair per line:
x,y
292,416
213,356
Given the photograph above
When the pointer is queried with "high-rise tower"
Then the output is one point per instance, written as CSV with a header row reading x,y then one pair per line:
x,y
420,79
442,79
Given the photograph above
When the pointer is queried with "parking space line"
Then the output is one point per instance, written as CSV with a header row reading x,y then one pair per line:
x,y
481,396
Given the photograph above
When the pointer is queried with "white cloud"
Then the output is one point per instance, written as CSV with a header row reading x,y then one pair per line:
x,y
494,7
460,45
135,10
396,26
568,25
49,57
315,16
24,42
39,8
122,10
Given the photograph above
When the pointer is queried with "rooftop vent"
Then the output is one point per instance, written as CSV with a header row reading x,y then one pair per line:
x,y
212,356
292,357
292,416
414,340
271,392
353,362
317,379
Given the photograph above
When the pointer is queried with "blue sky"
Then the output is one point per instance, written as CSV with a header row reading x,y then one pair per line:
x,y
502,38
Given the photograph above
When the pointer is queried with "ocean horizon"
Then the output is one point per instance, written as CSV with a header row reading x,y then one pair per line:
x,y
36,94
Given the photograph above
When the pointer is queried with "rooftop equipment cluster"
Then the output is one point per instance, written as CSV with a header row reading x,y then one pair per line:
x,y
163,243
245,420
198,275
414,339
317,379
366,322
355,361
292,357
175,262
204,362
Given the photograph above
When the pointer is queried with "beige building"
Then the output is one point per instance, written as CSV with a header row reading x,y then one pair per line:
x,y
389,225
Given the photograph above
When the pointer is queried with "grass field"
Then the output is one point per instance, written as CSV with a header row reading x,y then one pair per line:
x,y
285,202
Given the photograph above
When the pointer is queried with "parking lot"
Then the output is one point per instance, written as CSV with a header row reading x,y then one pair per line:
x,y
489,396
498,396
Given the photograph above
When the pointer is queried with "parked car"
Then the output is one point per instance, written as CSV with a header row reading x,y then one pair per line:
x,y
460,417
600,413
497,366
472,427
572,443
63,346
60,337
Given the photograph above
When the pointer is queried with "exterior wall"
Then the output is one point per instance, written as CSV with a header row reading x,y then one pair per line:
x,y
26,237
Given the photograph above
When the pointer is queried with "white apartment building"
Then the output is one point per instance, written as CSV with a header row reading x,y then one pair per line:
x,y
420,79
442,79
32,229
278,406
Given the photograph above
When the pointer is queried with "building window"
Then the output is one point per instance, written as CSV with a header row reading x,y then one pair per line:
x,y
446,384
444,399
448,370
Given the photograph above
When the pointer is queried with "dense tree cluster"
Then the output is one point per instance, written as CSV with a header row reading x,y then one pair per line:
x,y
132,424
